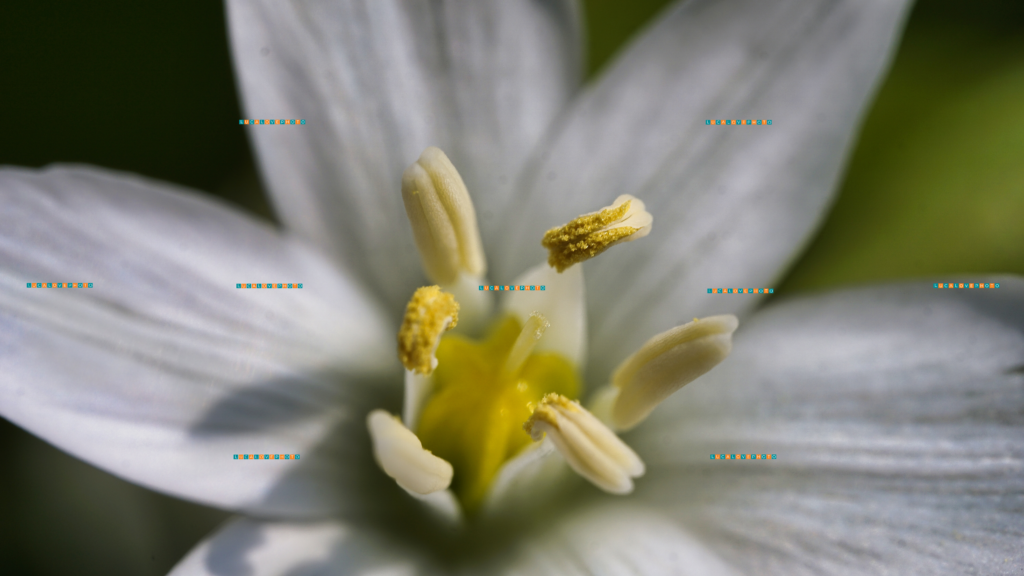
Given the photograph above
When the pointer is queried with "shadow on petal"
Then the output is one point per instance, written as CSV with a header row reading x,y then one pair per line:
x,y
247,547
279,402
320,417
229,556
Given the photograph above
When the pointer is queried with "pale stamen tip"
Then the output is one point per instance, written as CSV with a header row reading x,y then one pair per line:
x,y
428,315
591,234
399,452
443,219
538,323
666,363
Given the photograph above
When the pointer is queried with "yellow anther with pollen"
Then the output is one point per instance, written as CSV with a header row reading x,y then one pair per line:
x,y
591,234
429,313
545,412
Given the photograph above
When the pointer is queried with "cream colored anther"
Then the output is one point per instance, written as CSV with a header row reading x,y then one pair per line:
x,y
443,219
666,363
588,446
401,455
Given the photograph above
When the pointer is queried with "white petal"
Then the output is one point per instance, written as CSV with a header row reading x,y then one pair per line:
x,y
164,370
527,483
897,418
443,507
475,305
253,548
562,302
377,82
731,204
602,402
609,540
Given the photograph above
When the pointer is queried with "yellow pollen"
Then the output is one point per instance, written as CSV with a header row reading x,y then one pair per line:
x,y
429,313
474,417
545,413
591,234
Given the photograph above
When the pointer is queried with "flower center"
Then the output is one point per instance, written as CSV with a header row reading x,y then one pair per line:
x,y
483,393
470,405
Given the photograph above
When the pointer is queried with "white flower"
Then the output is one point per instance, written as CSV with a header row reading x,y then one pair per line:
x,y
896,412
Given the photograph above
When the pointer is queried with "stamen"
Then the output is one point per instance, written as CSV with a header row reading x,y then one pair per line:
x,y
535,326
588,446
429,313
443,219
401,455
591,234
666,363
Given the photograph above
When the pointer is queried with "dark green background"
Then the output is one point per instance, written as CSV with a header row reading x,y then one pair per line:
x,y
935,188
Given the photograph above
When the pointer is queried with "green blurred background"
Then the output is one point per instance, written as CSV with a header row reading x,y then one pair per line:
x,y
935,188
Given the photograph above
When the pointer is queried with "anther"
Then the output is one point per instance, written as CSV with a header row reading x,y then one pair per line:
x,y
591,234
429,313
401,455
666,363
443,219
588,446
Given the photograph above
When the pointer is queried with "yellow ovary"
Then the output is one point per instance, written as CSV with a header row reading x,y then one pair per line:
x,y
474,419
